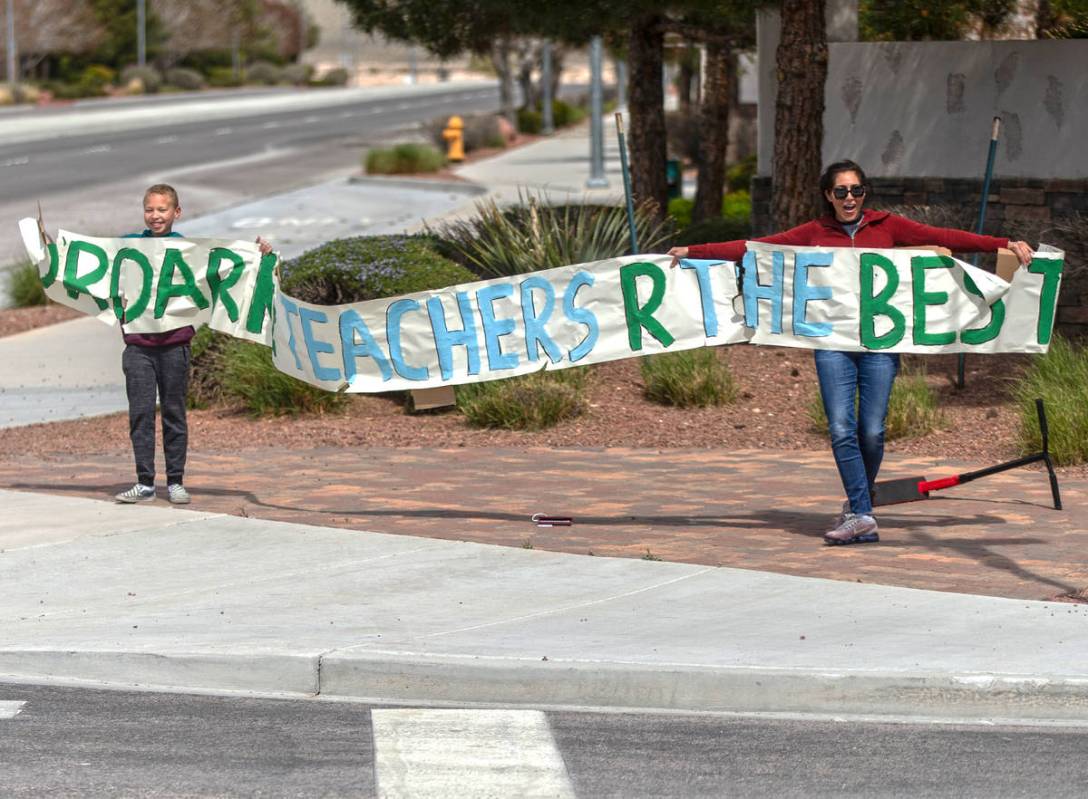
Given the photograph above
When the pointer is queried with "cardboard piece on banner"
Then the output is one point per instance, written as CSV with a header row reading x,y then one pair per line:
x,y
1007,264
427,399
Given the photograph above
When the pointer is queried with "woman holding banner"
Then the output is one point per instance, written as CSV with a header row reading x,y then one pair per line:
x,y
857,439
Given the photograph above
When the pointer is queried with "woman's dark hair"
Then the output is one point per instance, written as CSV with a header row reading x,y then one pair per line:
x,y
827,180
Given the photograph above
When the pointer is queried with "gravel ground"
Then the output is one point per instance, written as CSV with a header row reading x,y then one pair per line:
x,y
19,320
777,387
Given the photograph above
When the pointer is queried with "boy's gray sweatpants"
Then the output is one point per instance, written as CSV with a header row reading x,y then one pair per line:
x,y
163,371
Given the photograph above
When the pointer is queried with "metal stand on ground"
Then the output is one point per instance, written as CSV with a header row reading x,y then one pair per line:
x,y
961,361
632,229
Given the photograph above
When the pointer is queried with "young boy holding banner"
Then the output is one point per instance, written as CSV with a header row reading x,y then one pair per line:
x,y
158,364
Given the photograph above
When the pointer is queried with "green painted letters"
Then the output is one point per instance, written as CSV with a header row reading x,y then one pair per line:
x,y
134,310
172,262
879,305
1051,270
918,266
642,317
80,284
220,286
980,335
261,304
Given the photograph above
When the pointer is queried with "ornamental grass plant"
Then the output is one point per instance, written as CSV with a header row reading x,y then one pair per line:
x,y
404,159
24,286
913,410
532,235
696,378
529,402
250,377
1060,379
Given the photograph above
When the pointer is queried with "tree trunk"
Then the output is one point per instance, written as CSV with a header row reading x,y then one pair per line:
x,y
646,101
713,133
500,60
799,114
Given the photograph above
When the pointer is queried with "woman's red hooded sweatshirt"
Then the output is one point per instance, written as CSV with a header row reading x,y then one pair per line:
x,y
878,230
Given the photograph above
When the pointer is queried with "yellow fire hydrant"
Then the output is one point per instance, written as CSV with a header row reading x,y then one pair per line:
x,y
454,134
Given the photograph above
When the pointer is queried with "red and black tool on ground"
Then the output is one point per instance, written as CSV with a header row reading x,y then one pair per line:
x,y
910,489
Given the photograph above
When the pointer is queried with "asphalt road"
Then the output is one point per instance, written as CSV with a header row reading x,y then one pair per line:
x,y
83,742
50,165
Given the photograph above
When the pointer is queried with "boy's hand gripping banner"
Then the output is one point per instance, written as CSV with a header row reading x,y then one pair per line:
x,y
810,297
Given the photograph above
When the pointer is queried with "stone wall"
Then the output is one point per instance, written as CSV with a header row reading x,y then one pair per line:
x,y
1053,210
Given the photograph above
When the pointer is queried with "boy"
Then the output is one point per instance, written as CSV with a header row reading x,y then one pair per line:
x,y
158,363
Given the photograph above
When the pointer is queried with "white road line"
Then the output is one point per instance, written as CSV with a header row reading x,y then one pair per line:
x,y
10,709
466,753
404,106
270,125
20,161
98,148
166,139
377,109
311,119
223,131
346,114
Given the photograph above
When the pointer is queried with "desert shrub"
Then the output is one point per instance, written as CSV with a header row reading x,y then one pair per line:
x,y
912,408
529,402
24,286
298,74
334,77
737,205
1060,379
736,211
530,121
188,79
249,376
21,93
690,378
264,72
149,77
533,235
738,176
404,159
369,268
680,209
206,365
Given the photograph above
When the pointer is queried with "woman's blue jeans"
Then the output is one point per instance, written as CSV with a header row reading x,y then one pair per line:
x,y
857,439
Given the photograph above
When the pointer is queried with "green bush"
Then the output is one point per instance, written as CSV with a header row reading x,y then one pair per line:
x,y
497,242
369,268
264,72
1060,379
680,209
912,408
530,121
738,176
736,212
713,230
565,114
93,82
737,206
689,378
529,402
404,159
249,376
188,79
206,366
223,77
149,78
24,286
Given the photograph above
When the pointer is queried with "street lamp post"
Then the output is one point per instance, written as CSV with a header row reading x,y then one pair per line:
x,y
12,62
141,32
547,126
597,179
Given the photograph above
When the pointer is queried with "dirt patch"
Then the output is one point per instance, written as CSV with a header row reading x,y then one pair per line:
x,y
777,387
19,320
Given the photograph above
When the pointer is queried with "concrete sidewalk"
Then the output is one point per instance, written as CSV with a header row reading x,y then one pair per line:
x,y
160,596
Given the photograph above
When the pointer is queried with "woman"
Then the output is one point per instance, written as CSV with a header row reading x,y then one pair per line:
x,y
857,442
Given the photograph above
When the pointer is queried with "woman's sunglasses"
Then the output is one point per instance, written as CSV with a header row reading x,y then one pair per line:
x,y
840,192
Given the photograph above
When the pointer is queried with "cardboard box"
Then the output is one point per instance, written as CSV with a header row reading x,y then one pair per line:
x,y
426,399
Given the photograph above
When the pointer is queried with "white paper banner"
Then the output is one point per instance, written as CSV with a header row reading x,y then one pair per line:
x,y
810,297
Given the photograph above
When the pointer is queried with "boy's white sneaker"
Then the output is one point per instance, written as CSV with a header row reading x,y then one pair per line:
x,y
178,494
138,493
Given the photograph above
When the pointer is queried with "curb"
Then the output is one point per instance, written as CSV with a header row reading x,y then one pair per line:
x,y
476,680
422,184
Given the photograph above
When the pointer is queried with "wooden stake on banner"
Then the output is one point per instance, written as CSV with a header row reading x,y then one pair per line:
x,y
627,184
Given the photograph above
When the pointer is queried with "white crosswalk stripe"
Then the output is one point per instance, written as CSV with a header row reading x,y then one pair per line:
x,y
466,753
9,709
